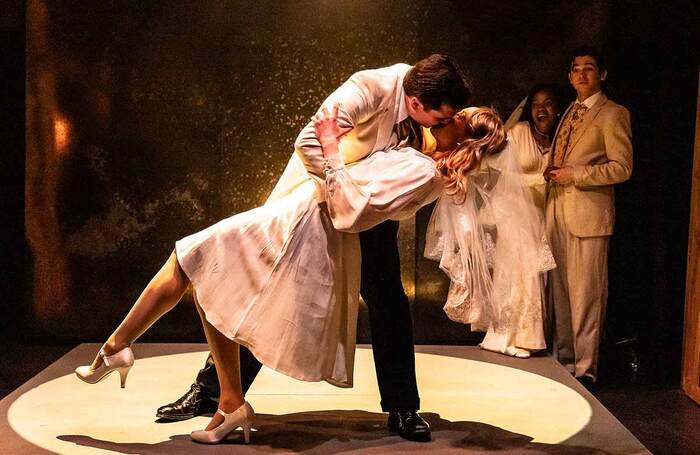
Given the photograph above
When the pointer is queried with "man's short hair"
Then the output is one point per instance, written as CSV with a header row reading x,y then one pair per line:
x,y
591,52
437,80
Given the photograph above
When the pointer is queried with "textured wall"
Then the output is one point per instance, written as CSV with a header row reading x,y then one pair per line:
x,y
146,122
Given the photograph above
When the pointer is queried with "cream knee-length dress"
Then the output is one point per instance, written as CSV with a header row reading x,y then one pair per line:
x,y
283,279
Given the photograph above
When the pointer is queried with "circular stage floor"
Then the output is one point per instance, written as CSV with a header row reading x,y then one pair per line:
x,y
65,415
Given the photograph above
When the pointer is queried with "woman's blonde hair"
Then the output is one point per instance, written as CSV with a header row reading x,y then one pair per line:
x,y
485,135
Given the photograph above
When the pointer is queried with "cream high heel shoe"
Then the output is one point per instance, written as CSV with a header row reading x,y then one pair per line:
x,y
242,417
121,361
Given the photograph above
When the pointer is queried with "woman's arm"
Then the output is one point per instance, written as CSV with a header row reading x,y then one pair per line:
x,y
356,104
389,185
328,131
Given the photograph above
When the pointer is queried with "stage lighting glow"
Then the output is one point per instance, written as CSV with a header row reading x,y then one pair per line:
x,y
65,415
62,130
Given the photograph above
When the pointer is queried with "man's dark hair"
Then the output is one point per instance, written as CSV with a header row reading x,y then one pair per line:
x,y
437,80
551,89
591,52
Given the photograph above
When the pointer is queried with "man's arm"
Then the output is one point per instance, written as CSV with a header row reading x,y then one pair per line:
x,y
355,104
618,147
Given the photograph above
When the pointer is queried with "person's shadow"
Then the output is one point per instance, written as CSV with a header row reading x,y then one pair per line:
x,y
335,431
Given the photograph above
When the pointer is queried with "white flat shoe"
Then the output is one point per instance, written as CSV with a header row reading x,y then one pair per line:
x,y
242,417
522,353
121,361
509,350
517,352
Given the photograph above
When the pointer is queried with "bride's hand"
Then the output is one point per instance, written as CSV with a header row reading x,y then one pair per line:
x,y
327,129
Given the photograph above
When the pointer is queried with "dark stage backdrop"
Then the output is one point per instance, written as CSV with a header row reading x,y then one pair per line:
x,y
147,121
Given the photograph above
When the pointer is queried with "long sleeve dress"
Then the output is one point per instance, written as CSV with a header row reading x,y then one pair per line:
x,y
283,279
533,160
520,303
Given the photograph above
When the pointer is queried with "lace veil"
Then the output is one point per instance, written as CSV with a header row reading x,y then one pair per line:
x,y
492,246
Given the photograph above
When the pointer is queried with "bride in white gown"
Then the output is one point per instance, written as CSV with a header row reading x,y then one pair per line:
x,y
529,129
283,279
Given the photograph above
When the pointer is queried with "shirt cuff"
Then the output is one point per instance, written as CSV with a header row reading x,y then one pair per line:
x,y
580,174
333,163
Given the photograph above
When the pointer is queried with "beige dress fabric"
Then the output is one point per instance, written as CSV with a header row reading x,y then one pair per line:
x,y
283,279
532,160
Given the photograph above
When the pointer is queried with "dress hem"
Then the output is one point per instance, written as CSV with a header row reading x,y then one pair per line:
x,y
251,348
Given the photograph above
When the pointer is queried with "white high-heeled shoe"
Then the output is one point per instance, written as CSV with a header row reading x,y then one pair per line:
x,y
242,417
121,361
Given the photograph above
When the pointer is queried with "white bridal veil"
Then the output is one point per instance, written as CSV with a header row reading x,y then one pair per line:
x,y
492,246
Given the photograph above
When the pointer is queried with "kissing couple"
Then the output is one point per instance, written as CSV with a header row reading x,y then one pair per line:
x,y
283,280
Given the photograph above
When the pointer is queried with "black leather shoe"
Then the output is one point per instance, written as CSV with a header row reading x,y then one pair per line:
x,y
409,425
588,383
191,404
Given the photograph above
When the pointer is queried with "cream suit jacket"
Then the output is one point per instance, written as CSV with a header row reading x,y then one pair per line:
x,y
600,153
371,102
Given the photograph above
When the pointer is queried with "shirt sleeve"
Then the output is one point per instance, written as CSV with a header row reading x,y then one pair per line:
x,y
388,185
355,103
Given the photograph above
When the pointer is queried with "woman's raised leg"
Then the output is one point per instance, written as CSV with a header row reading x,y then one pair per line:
x,y
160,295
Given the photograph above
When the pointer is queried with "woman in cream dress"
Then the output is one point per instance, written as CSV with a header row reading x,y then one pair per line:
x,y
531,128
283,279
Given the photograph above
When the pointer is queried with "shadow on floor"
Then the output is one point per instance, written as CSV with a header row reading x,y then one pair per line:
x,y
333,431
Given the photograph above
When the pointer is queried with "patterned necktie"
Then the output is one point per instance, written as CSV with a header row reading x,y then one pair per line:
x,y
572,121
408,134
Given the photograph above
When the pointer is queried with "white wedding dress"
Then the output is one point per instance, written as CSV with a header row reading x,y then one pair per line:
x,y
493,248
522,309
283,279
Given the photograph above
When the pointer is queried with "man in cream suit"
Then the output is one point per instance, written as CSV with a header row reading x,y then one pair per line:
x,y
383,109
592,152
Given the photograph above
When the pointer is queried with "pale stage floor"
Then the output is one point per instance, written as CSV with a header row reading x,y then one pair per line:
x,y
475,401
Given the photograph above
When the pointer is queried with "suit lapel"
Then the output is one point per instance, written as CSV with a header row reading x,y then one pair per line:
x,y
587,120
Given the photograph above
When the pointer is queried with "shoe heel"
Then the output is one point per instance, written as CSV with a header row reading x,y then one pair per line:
x,y
121,361
123,373
246,433
240,418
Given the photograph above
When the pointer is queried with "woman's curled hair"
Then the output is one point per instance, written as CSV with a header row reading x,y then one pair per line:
x,y
485,134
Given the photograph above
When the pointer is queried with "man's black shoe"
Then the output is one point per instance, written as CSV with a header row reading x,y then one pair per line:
x,y
191,404
588,383
409,425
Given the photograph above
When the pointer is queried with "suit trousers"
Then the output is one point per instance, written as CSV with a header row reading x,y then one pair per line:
x,y
390,320
578,291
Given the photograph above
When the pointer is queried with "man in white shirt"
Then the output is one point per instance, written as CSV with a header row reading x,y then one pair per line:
x,y
592,152
384,109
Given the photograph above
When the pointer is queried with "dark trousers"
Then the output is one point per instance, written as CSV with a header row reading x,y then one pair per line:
x,y
390,324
